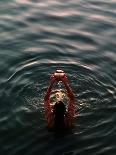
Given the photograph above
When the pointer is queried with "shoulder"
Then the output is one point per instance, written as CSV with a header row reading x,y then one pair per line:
x,y
68,119
49,118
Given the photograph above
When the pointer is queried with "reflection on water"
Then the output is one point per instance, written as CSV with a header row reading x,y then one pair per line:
x,y
36,38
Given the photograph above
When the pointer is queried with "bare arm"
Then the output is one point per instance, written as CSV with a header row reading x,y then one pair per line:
x,y
47,107
70,96
47,95
69,91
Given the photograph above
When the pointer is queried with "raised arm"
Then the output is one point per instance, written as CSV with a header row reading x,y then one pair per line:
x,y
47,95
70,96
69,91
47,107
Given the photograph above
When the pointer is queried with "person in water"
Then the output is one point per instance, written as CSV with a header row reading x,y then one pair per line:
x,y
59,117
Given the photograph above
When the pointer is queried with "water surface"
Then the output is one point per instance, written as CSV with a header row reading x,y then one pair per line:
x,y
36,38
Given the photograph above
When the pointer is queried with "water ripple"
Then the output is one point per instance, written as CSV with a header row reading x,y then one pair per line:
x,y
36,39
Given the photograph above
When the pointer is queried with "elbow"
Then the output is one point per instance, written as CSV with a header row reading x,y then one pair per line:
x,y
72,97
46,97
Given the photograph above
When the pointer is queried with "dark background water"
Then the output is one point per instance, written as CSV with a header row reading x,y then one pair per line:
x,y
36,38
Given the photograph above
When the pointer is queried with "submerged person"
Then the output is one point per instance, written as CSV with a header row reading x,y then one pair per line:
x,y
59,117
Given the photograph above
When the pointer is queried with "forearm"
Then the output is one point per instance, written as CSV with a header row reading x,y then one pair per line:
x,y
71,100
69,91
49,89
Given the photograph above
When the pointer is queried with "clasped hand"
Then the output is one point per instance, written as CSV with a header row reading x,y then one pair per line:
x,y
53,78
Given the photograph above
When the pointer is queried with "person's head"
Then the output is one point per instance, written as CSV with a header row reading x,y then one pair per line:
x,y
59,112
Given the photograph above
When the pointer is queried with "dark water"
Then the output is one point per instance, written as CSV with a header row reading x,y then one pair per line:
x,y
38,37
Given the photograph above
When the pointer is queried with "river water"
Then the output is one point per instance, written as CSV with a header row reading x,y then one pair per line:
x,y
36,38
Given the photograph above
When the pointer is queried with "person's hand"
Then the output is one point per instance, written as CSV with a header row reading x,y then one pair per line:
x,y
64,79
52,78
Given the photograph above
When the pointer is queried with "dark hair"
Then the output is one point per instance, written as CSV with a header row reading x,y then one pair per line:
x,y
59,112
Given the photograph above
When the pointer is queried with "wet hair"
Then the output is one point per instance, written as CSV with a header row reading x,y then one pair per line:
x,y
59,112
